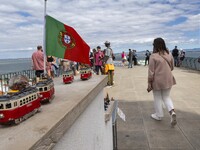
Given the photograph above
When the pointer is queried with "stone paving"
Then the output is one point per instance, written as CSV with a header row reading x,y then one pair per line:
x,y
139,131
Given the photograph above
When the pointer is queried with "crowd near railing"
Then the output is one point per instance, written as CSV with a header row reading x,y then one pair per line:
x,y
188,62
191,63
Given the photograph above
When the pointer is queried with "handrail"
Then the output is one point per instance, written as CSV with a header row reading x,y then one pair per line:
x,y
191,63
4,78
188,62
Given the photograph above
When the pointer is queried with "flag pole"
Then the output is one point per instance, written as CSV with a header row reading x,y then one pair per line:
x,y
44,37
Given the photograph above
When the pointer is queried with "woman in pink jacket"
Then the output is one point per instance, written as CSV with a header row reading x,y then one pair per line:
x,y
98,60
161,80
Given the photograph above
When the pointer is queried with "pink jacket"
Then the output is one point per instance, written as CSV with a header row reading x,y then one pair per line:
x,y
123,55
98,58
159,73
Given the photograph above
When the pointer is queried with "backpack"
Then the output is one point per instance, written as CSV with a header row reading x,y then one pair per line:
x,y
175,52
148,54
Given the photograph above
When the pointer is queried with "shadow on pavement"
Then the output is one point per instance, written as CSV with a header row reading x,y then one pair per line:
x,y
140,131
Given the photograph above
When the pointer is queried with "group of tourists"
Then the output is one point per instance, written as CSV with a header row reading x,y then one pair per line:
x,y
178,56
131,57
100,61
160,77
53,66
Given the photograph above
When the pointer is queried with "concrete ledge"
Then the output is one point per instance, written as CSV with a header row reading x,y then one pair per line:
x,y
43,130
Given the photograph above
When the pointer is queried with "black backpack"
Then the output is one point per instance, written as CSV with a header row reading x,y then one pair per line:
x,y
175,52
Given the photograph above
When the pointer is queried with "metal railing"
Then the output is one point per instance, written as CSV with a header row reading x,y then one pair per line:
x,y
4,78
188,62
191,63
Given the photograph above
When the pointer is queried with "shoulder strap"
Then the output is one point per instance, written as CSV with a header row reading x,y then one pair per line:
x,y
167,61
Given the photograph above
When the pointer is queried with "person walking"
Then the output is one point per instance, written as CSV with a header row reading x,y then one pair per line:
x,y
161,80
182,57
135,57
147,54
130,59
123,56
38,62
94,51
175,53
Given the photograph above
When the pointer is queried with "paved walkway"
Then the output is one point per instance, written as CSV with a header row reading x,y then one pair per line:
x,y
140,132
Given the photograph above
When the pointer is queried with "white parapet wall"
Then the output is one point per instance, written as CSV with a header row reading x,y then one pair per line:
x,y
90,131
74,120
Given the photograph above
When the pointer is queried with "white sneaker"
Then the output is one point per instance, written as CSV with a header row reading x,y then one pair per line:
x,y
173,119
154,116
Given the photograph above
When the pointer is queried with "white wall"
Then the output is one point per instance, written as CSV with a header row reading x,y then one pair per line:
x,y
89,132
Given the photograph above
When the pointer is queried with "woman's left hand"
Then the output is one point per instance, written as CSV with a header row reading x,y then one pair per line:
x,y
149,88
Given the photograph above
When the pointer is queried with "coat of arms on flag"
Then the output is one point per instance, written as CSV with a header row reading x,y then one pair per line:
x,y
66,40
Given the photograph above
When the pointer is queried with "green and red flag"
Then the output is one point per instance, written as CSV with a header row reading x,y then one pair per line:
x,y
63,41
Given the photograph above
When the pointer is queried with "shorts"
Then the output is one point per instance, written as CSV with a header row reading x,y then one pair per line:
x,y
109,67
38,73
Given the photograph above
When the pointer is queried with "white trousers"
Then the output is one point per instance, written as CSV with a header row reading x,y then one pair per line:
x,y
160,97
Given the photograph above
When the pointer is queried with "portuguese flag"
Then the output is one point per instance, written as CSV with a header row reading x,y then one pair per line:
x,y
63,41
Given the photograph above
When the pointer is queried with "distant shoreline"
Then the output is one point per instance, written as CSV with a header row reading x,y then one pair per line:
x,y
17,54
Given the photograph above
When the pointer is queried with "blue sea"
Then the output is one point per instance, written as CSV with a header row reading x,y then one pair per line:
x,y
14,65
20,64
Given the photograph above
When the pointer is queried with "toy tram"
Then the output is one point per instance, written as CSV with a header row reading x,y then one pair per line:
x,y
85,73
19,105
46,89
68,77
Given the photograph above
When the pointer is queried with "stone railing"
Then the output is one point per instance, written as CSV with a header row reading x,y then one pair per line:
x,y
191,63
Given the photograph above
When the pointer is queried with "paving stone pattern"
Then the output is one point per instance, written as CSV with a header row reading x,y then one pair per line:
x,y
140,131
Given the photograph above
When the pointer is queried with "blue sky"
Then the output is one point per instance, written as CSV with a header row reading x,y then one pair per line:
x,y
125,23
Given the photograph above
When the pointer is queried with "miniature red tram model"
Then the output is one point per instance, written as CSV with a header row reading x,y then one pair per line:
x,y
68,77
18,106
86,73
46,89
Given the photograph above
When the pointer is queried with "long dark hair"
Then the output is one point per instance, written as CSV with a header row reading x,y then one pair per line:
x,y
159,46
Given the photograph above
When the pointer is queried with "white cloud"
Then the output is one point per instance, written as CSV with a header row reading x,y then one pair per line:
x,y
125,23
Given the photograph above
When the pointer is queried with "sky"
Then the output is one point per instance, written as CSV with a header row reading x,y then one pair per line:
x,y
125,24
